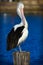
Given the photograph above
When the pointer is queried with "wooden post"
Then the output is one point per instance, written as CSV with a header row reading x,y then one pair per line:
x,y
21,58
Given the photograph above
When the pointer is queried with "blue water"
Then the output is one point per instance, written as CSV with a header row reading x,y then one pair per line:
x,y
33,44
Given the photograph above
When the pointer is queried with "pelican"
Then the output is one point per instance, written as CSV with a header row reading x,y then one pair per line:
x,y
19,32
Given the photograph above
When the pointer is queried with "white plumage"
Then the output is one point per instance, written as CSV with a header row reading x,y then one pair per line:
x,y
23,22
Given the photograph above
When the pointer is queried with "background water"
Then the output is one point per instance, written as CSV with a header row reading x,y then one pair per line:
x,y
33,44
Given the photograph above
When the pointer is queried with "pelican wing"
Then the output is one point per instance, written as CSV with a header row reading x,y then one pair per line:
x,y
13,37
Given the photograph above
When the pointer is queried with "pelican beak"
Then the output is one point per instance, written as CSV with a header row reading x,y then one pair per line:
x,y
22,11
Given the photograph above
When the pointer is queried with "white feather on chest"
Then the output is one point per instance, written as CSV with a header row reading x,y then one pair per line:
x,y
24,36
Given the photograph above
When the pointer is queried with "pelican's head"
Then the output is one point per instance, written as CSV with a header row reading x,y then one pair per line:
x,y
20,8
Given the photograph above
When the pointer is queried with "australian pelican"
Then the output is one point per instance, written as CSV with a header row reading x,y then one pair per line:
x,y
20,31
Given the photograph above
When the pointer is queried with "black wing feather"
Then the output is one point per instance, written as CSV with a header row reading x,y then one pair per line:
x,y
13,37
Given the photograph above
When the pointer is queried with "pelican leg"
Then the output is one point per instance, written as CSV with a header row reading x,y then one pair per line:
x,y
20,48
